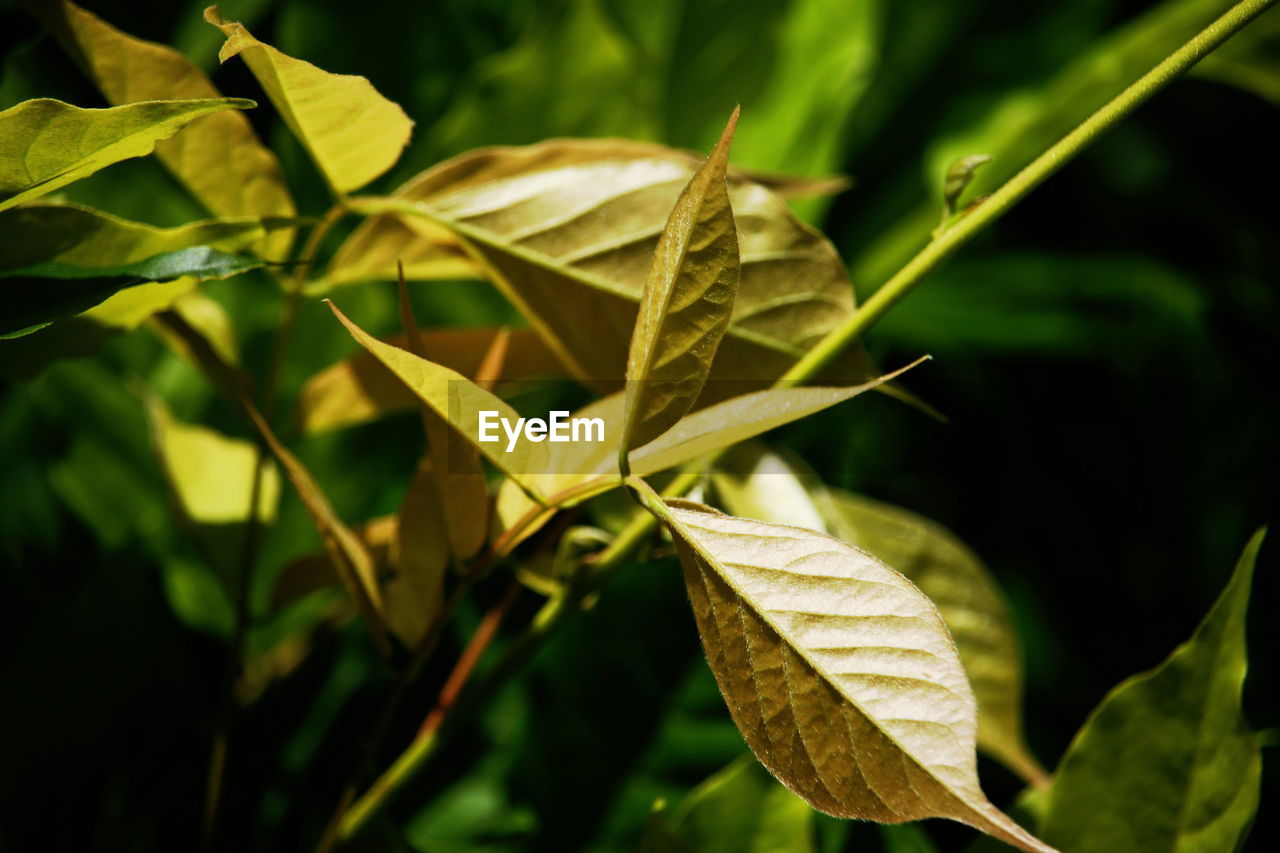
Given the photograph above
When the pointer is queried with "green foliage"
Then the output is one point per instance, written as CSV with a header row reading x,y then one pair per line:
x,y
245,524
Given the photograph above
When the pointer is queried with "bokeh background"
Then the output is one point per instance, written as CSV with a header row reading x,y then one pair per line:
x,y
1106,356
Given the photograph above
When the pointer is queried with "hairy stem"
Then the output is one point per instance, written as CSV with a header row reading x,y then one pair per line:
x,y
946,243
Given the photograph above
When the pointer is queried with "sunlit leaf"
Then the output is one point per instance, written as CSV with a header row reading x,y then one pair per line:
x,y
361,388
205,315
431,251
219,159
741,809
571,247
211,474
972,605
348,554
1167,761
589,468
314,571
46,144
451,469
838,671
457,400
36,295
754,482
351,132
685,307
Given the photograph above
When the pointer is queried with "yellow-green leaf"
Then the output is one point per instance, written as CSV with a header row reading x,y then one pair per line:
x,y
588,467
685,307
46,144
571,246
1167,763
219,159
211,474
314,571
415,592
839,673
361,388
351,132
459,401
971,603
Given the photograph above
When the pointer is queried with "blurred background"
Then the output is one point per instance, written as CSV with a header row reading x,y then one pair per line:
x,y
1102,355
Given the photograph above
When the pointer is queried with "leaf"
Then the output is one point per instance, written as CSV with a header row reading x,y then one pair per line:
x,y
351,132
36,295
707,430
79,236
839,673
46,144
570,245
971,603
685,306
219,159
1167,761
211,474
451,469
959,175
350,558
431,251
754,482
361,388
415,592
741,809
457,400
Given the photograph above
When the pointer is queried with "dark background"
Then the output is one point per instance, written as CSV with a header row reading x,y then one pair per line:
x,y
1105,355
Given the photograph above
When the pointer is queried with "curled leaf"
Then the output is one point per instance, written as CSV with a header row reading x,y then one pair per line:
x,y
351,132
46,144
685,306
837,670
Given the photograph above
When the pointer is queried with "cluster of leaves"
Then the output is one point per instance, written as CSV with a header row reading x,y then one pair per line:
x,y
865,653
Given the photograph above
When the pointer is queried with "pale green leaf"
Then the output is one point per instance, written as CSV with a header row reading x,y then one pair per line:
x,y
1167,762
46,144
685,307
839,673
220,159
351,132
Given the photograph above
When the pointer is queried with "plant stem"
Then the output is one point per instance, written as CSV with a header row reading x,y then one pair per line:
x,y
946,243
253,527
